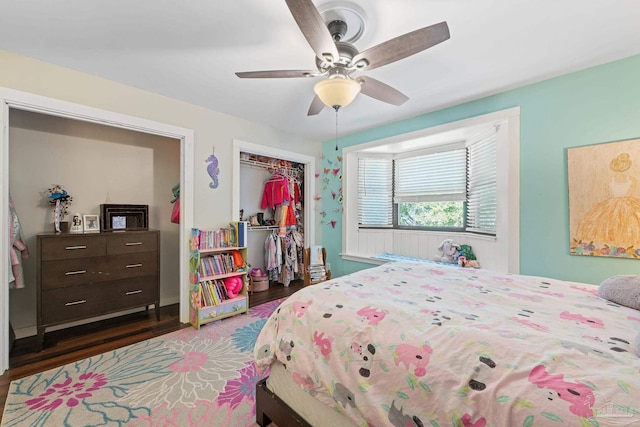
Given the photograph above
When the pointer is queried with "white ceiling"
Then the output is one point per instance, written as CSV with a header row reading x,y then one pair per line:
x,y
189,50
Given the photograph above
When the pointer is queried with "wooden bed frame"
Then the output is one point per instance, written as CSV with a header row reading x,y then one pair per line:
x,y
270,408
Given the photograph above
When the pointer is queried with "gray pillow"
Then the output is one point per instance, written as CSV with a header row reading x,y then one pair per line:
x,y
623,290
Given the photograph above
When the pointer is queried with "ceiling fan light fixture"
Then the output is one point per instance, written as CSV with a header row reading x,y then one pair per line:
x,y
337,91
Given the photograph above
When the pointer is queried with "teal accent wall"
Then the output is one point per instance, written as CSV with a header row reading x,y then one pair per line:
x,y
596,105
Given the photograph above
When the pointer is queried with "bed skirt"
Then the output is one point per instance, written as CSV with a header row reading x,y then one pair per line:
x,y
281,400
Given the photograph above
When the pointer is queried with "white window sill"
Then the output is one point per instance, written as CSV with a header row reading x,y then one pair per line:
x,y
362,258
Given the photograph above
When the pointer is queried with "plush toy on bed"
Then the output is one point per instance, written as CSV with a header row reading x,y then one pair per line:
x,y
233,285
623,290
448,252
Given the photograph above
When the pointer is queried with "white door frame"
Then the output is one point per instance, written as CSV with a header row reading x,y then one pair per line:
x,y
10,98
309,181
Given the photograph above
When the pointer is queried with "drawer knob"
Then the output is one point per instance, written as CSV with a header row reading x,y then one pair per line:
x,y
133,265
139,291
133,243
82,301
71,273
71,248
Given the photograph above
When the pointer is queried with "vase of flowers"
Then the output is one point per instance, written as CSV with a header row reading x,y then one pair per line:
x,y
61,200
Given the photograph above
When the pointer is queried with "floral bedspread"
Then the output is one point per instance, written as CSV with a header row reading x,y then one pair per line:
x,y
423,344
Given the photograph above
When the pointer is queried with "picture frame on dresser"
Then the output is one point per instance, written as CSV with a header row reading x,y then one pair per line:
x,y
119,217
91,223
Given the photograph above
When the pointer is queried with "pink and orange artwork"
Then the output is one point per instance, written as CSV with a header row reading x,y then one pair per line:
x,y
604,199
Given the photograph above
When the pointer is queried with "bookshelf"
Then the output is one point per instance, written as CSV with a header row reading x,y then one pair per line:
x,y
217,256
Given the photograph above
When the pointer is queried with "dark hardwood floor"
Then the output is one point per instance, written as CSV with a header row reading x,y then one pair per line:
x,y
69,345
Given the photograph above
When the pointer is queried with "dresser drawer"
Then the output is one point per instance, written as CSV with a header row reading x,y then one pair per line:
x,y
131,265
71,272
128,242
67,247
79,302
72,303
134,292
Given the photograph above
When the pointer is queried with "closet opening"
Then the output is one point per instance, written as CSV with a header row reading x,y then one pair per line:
x,y
274,194
14,101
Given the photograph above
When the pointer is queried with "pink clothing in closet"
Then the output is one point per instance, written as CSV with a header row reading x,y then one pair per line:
x,y
276,192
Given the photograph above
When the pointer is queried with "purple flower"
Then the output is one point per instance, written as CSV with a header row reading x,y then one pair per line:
x,y
237,390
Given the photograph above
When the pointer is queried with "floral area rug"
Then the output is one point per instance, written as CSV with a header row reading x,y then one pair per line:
x,y
190,377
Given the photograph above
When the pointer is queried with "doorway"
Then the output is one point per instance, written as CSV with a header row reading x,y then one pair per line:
x,y
309,163
11,99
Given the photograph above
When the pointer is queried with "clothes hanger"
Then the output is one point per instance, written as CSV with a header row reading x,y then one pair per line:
x,y
276,177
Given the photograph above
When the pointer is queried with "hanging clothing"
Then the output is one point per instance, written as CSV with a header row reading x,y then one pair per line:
x,y
175,212
276,191
273,256
17,250
290,260
298,239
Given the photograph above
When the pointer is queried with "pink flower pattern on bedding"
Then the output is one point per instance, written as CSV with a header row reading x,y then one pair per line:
x,y
418,344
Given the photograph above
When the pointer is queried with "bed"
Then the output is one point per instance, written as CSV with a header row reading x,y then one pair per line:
x,y
425,344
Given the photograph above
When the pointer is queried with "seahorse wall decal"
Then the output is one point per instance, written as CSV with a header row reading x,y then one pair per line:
x,y
213,170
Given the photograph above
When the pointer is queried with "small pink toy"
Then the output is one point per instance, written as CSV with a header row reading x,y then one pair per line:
x,y
233,286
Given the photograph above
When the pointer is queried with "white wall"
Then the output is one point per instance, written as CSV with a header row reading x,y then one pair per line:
x,y
251,187
96,164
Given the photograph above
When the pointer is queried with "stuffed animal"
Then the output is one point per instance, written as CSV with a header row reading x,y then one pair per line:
x,y
238,261
466,257
449,252
233,285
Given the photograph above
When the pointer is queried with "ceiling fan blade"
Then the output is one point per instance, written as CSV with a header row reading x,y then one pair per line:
x,y
314,29
402,46
316,106
275,74
381,91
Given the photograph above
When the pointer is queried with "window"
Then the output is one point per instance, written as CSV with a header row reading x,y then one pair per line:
x,y
448,187
430,188
487,217
374,192
481,185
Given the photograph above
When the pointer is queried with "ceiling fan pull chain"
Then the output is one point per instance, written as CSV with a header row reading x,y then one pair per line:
x,y
336,107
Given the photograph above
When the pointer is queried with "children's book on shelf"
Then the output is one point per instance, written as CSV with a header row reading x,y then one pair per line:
x,y
216,256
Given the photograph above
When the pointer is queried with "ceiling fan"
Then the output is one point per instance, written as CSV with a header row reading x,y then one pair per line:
x,y
338,60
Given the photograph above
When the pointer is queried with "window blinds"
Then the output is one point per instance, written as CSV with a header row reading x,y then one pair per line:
x,y
375,192
481,185
438,176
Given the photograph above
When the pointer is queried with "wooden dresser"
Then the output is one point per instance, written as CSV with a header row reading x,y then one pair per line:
x,y
86,275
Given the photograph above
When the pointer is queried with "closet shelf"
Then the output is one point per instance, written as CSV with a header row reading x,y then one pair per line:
x,y
263,227
270,166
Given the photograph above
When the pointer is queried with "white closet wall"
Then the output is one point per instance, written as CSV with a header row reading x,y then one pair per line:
x,y
252,180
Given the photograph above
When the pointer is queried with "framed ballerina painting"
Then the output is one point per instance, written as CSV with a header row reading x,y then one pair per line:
x,y
604,199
